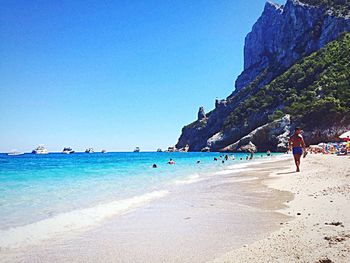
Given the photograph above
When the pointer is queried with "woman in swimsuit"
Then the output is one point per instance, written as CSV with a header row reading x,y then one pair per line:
x,y
297,145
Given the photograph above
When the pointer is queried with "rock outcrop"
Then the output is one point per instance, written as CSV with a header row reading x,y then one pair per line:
x,y
201,114
273,135
281,37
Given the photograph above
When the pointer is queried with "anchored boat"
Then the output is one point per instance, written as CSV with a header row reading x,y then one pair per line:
x,y
89,150
137,150
14,152
40,150
68,150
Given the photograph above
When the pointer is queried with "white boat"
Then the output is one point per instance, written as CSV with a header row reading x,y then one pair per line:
x,y
89,150
68,150
137,150
14,152
40,150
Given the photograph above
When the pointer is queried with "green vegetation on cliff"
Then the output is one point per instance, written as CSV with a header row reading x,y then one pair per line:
x,y
339,7
314,91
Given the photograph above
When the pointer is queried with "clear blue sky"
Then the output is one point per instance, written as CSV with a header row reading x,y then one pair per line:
x,y
115,74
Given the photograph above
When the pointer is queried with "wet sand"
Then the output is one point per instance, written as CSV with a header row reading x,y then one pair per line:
x,y
197,222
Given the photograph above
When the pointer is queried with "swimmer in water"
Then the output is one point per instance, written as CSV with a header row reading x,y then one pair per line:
x,y
251,155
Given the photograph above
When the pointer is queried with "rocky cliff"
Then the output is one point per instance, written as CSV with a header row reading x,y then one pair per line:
x,y
285,34
279,59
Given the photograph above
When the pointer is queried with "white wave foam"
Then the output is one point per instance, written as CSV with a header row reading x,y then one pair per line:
x,y
231,171
259,161
240,165
72,221
189,180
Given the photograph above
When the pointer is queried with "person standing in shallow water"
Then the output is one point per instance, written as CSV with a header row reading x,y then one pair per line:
x,y
297,145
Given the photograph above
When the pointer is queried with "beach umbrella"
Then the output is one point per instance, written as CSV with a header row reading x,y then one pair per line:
x,y
345,136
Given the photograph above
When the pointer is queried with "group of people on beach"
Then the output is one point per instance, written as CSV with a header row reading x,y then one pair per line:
x,y
338,148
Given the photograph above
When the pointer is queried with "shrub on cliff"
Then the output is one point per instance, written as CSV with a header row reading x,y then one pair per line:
x,y
313,91
338,7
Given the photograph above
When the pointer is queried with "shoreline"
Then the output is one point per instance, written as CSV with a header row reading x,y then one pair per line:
x,y
211,207
251,212
320,228
86,218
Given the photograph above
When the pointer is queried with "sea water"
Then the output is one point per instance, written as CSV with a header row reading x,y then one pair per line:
x,y
42,195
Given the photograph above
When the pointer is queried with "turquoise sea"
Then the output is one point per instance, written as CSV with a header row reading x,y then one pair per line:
x,y
40,192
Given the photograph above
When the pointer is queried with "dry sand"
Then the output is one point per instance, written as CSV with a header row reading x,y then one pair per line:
x,y
320,230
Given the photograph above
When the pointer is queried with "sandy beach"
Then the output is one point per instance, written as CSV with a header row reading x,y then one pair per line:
x,y
320,228
262,213
175,131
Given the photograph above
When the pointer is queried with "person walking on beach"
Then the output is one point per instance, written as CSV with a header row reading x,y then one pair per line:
x,y
297,145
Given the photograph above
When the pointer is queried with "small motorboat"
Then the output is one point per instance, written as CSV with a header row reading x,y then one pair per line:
x,y
137,150
68,150
14,152
40,150
89,150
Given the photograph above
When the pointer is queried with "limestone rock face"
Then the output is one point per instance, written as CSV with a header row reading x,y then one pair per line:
x,y
285,34
280,38
271,136
326,133
250,147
